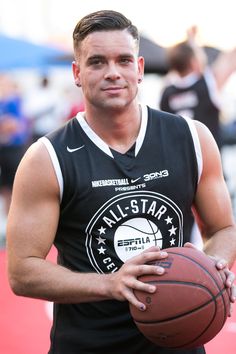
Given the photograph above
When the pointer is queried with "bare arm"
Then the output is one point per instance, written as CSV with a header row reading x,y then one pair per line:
x,y
213,211
212,203
32,225
224,66
192,34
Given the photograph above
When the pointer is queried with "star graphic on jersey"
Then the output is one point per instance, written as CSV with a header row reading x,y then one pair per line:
x,y
172,231
101,240
101,250
172,241
102,230
168,220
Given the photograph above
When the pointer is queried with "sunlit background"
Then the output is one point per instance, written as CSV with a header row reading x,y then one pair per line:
x,y
164,21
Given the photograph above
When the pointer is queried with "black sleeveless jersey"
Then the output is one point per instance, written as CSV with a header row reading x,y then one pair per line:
x,y
114,206
195,102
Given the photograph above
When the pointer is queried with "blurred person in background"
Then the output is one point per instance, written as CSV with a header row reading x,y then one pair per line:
x,y
74,102
14,135
193,86
44,107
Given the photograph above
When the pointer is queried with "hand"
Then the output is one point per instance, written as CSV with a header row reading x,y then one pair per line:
x,y
126,279
222,264
192,33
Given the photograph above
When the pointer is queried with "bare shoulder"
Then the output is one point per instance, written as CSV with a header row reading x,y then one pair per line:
x,y
210,152
36,169
34,210
36,153
203,132
205,137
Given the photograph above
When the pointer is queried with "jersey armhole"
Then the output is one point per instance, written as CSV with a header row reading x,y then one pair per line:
x,y
197,145
55,163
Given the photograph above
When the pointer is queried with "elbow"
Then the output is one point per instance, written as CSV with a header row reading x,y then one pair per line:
x,y
19,277
18,282
23,279
16,286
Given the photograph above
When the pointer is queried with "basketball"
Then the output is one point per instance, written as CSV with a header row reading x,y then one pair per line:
x,y
190,305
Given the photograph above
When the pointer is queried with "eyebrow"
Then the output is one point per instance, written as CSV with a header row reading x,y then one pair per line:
x,y
100,56
96,56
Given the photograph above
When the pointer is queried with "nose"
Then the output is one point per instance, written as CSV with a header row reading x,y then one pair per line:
x,y
112,72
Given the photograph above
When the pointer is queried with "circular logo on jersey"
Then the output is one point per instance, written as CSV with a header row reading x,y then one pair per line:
x,y
136,235
130,223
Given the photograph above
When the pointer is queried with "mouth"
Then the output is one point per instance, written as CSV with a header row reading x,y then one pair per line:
x,y
113,88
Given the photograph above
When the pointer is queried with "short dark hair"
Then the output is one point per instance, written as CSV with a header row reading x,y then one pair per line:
x,y
179,56
103,20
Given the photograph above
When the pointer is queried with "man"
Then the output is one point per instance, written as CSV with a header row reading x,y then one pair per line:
x,y
195,86
94,188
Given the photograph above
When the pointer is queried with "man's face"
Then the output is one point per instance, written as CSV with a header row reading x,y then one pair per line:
x,y
108,69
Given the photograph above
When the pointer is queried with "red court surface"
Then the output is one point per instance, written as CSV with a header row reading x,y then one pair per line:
x,y
25,323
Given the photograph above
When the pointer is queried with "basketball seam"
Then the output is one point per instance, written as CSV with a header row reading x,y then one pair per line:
x,y
184,314
213,299
205,270
221,294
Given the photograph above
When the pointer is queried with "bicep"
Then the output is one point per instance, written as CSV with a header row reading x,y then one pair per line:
x,y
34,211
212,204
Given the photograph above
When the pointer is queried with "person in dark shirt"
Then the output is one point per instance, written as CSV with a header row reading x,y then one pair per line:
x,y
194,86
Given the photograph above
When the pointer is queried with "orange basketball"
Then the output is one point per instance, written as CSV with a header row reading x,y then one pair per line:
x,y
190,305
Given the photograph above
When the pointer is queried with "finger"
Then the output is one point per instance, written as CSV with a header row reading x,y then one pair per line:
x,y
230,277
152,256
148,269
152,249
230,310
221,263
233,294
145,287
129,295
191,245
142,283
147,257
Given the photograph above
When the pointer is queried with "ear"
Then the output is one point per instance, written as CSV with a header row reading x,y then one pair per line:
x,y
140,69
76,73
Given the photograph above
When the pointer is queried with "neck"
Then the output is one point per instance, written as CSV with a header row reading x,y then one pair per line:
x,y
119,130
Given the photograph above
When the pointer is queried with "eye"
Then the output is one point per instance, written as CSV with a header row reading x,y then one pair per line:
x,y
96,61
125,60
